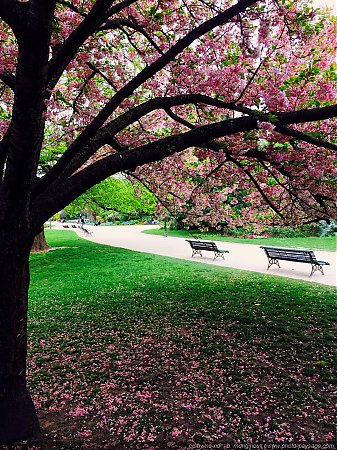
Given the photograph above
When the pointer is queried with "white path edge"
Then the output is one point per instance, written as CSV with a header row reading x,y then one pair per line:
x,y
241,256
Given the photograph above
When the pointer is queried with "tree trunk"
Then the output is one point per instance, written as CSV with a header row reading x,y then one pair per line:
x,y
18,419
40,243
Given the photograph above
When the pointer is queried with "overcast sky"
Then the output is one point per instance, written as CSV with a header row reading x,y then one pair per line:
x,y
330,3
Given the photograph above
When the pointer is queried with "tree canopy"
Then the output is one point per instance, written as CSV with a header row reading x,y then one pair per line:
x,y
212,104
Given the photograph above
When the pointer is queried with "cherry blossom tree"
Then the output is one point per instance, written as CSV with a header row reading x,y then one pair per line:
x,y
212,104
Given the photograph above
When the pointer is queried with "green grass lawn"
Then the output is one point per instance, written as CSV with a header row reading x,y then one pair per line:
x,y
312,243
133,350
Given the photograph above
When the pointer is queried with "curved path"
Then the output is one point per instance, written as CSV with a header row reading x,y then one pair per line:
x,y
240,256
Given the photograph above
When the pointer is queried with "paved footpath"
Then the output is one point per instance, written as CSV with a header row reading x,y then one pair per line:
x,y
241,256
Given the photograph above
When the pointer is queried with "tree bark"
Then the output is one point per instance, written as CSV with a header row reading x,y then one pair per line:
x,y
40,244
18,418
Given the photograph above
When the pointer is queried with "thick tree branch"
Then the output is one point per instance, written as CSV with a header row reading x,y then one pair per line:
x,y
28,119
9,12
306,115
9,79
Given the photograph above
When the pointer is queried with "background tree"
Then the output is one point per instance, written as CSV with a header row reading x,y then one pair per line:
x,y
115,198
90,88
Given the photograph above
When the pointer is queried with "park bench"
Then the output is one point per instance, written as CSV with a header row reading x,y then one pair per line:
x,y
274,254
198,246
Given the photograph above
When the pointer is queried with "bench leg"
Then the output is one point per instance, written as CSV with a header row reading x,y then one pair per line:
x,y
315,267
218,255
272,261
196,252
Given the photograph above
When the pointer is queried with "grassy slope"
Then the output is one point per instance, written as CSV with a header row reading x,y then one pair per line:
x,y
136,349
312,243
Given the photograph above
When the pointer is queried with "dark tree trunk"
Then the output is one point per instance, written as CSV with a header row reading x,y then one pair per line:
x,y
40,243
18,419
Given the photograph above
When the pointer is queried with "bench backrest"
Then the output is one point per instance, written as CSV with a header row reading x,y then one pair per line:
x,y
290,254
203,245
